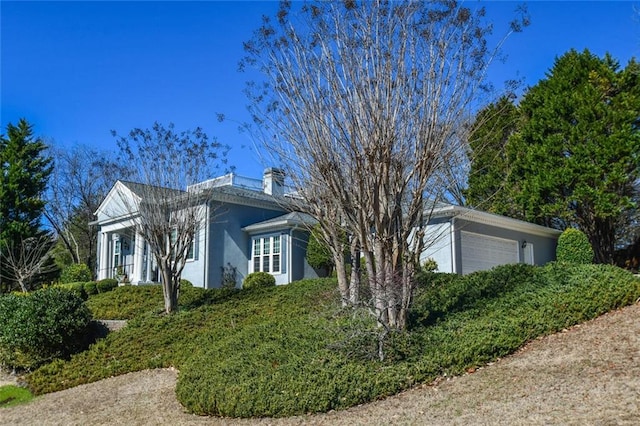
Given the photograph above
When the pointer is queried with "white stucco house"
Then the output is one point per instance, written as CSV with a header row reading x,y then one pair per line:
x,y
249,228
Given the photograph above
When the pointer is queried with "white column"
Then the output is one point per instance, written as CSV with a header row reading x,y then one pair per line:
x,y
103,267
138,257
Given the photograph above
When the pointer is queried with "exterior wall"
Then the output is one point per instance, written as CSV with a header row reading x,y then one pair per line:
x,y
226,242
438,245
301,268
443,243
544,247
194,269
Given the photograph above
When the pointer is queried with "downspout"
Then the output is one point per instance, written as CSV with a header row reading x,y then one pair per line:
x,y
206,247
454,264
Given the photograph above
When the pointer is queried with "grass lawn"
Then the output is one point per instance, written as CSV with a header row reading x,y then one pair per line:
x,y
11,395
292,350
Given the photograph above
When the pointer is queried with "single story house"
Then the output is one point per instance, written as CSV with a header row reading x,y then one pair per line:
x,y
248,228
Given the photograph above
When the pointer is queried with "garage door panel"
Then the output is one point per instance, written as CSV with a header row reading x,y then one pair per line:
x,y
481,252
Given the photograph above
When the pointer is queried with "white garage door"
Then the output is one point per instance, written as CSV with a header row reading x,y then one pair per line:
x,y
480,252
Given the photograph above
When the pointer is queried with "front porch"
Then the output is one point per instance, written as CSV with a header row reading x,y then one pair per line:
x,y
124,255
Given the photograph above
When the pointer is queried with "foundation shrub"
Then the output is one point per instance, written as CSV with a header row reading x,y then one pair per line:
x,y
574,247
48,324
258,280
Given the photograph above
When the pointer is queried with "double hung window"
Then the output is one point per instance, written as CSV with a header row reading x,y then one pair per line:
x,y
267,254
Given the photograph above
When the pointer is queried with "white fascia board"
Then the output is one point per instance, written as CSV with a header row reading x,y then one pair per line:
x,y
272,226
116,225
492,219
117,192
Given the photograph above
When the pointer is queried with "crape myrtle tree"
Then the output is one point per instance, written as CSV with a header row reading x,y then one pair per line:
x,y
575,160
25,173
364,104
80,180
164,163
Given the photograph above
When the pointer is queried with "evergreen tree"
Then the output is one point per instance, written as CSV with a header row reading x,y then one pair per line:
x,y
489,164
25,172
576,156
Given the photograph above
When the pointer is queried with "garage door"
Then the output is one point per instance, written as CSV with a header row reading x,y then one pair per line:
x,y
480,252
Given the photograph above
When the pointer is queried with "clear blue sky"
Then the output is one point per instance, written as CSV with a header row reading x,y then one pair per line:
x,y
77,70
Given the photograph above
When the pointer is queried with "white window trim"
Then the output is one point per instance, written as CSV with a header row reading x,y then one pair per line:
x,y
270,256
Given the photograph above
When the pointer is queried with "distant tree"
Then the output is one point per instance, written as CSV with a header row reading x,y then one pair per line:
x,y
25,172
576,158
167,216
27,262
364,104
489,169
80,180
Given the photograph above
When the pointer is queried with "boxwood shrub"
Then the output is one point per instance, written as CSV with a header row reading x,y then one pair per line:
x,y
90,288
574,247
106,285
49,323
258,280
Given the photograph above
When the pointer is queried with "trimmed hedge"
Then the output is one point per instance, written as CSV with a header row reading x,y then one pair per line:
x,y
49,323
106,285
574,247
258,280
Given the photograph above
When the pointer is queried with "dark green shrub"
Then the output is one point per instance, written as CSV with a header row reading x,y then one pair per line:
x,y
185,284
318,254
258,280
106,285
90,288
50,323
574,247
77,272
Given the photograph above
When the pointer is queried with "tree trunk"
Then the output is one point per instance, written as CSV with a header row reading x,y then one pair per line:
x,y
169,290
354,285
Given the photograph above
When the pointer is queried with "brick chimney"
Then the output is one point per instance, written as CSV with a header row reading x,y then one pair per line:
x,y
273,181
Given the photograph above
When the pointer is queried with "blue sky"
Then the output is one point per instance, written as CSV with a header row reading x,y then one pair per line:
x,y
77,70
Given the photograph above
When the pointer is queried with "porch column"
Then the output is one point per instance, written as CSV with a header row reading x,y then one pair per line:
x,y
138,257
103,266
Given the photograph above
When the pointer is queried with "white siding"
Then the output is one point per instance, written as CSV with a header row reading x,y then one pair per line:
x,y
438,246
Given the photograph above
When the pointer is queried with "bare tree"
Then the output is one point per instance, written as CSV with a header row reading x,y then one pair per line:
x,y
167,215
80,180
27,260
365,105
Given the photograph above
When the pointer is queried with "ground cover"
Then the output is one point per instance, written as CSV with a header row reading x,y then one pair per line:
x,y
291,350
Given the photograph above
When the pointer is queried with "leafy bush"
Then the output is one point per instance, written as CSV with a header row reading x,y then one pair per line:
x,y
77,272
258,280
106,285
76,288
50,323
90,288
574,247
